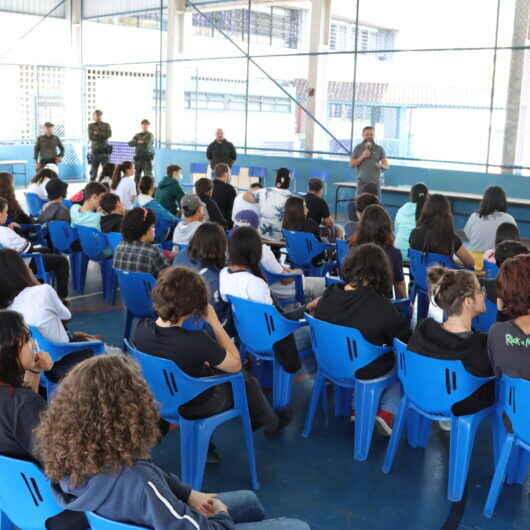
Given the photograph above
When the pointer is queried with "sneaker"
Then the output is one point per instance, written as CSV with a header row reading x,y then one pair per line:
x,y
445,426
384,422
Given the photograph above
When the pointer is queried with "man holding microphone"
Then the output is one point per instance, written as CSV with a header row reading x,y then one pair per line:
x,y
369,159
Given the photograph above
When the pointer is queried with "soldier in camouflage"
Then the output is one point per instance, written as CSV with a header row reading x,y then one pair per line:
x,y
48,148
98,133
143,142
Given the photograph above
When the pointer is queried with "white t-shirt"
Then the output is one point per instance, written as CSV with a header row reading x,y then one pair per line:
x,y
39,189
269,262
10,239
41,307
241,204
244,284
271,203
126,191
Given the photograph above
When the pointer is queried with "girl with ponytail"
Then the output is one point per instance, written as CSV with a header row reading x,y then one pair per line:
x,y
461,297
123,184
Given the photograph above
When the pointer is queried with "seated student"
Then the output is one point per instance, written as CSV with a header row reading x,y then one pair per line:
x,y
87,214
361,203
113,212
459,294
505,232
313,286
271,203
407,217
206,254
318,209
204,189
55,263
509,342
54,210
243,278
105,177
436,233
15,214
136,253
40,306
375,226
123,184
224,193
145,200
20,402
240,203
362,303
193,212
372,189
88,466
39,181
482,225
181,294
168,192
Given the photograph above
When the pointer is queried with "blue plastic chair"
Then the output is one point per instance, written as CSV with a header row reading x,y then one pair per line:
x,y
67,203
419,262
162,229
404,307
41,273
484,322
173,388
59,350
62,236
490,270
273,277
340,351
330,280
34,204
100,523
135,288
199,167
259,327
342,250
302,248
430,388
39,233
114,239
95,245
26,498
514,458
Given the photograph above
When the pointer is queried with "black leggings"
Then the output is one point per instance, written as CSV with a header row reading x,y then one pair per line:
x,y
57,264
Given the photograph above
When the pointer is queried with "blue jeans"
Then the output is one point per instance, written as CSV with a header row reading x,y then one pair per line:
x,y
248,513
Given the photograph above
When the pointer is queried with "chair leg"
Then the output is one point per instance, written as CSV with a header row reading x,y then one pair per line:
x,y
518,466
318,387
418,429
498,434
423,305
195,439
282,384
187,451
5,522
75,266
83,272
463,430
367,398
249,442
499,476
400,421
343,400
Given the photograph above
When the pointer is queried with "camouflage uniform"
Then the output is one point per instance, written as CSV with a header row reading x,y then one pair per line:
x,y
98,134
46,146
143,155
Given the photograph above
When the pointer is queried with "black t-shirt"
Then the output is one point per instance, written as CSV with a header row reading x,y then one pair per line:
x,y
19,415
224,195
189,350
111,223
214,213
396,262
421,239
317,206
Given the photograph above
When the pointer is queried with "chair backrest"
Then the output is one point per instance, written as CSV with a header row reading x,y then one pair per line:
x,y
170,385
341,350
93,242
100,523
162,228
301,247
136,290
67,203
259,326
420,261
46,345
403,306
34,203
62,235
330,280
25,494
514,396
114,239
342,250
433,385
484,322
490,269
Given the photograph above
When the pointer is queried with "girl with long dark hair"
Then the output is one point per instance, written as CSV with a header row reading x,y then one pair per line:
x,y
123,184
39,181
407,216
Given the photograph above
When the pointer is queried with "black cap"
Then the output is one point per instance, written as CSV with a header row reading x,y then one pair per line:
x,y
56,188
49,124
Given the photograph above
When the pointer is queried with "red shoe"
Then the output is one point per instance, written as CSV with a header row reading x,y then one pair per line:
x,y
384,422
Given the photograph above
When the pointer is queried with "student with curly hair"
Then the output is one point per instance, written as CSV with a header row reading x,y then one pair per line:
x,y
136,253
95,448
362,303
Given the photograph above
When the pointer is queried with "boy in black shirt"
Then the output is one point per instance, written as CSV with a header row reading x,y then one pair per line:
x,y
112,207
224,193
319,210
